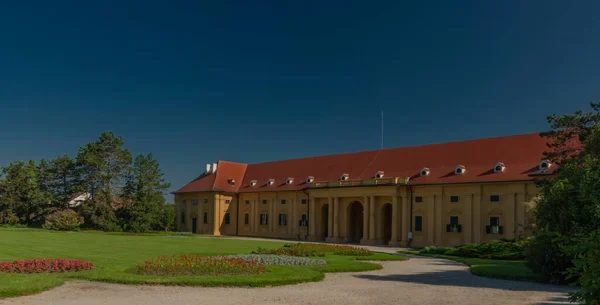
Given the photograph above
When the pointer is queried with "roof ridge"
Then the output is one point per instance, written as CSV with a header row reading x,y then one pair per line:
x,y
400,147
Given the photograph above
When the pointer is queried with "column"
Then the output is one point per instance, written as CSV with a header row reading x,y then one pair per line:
x,y
273,217
468,225
441,226
290,224
311,216
520,221
429,218
330,217
372,218
405,219
394,237
216,215
336,216
477,218
509,229
366,218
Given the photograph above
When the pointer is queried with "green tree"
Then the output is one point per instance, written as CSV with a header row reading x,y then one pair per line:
x,y
62,179
103,166
22,198
143,197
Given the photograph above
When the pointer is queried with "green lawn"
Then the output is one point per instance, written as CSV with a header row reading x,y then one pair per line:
x,y
500,269
116,255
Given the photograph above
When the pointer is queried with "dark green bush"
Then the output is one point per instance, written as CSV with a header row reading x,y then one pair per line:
x,y
586,270
546,256
500,249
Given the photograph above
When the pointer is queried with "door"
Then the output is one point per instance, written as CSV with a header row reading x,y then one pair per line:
x,y
194,225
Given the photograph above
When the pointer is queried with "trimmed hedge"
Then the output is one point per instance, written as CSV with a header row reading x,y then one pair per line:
x,y
500,249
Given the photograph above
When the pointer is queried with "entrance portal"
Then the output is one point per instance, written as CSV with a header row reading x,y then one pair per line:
x,y
324,221
194,225
355,222
386,223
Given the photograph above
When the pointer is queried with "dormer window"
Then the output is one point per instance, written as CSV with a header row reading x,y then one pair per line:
x,y
289,180
379,174
231,181
424,171
545,164
499,167
310,179
459,170
270,181
252,182
344,177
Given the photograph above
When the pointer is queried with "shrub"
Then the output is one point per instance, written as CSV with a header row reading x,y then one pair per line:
x,y
545,256
434,250
45,265
586,269
499,249
280,260
192,265
65,220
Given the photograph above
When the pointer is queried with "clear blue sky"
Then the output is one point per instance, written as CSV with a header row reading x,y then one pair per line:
x,y
194,82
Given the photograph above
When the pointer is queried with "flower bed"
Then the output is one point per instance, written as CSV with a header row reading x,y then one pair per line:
x,y
336,249
45,266
191,265
291,251
280,260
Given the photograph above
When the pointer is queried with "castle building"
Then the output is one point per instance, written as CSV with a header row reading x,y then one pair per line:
x,y
445,194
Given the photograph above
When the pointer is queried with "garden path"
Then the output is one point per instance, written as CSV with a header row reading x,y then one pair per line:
x,y
420,280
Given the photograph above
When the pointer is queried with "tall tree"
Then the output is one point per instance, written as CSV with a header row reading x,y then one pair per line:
x,y
143,197
102,165
63,179
22,197
569,130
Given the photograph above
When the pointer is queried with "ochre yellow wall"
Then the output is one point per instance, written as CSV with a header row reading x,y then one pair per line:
x,y
384,217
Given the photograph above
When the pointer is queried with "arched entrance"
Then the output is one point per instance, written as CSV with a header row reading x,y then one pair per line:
x,y
355,222
386,223
324,221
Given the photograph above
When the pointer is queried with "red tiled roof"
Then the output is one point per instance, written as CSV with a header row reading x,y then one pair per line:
x,y
521,154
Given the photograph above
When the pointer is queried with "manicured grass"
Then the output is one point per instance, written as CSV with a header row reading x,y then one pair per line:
x,y
500,269
115,257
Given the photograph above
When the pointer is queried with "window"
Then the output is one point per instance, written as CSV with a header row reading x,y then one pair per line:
x,y
282,220
494,198
227,218
205,200
282,201
247,201
303,201
264,219
246,219
303,221
194,202
182,217
418,223
183,203
453,227
227,201
264,202
494,227
453,198
205,220
418,199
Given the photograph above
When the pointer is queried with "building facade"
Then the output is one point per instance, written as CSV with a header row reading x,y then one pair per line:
x,y
442,194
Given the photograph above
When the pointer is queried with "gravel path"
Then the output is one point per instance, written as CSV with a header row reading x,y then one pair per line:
x,y
417,281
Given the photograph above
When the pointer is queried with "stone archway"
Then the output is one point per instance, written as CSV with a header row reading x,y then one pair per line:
x,y
355,222
386,223
324,230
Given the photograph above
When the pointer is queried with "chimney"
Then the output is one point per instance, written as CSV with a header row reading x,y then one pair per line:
x,y
214,168
207,168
